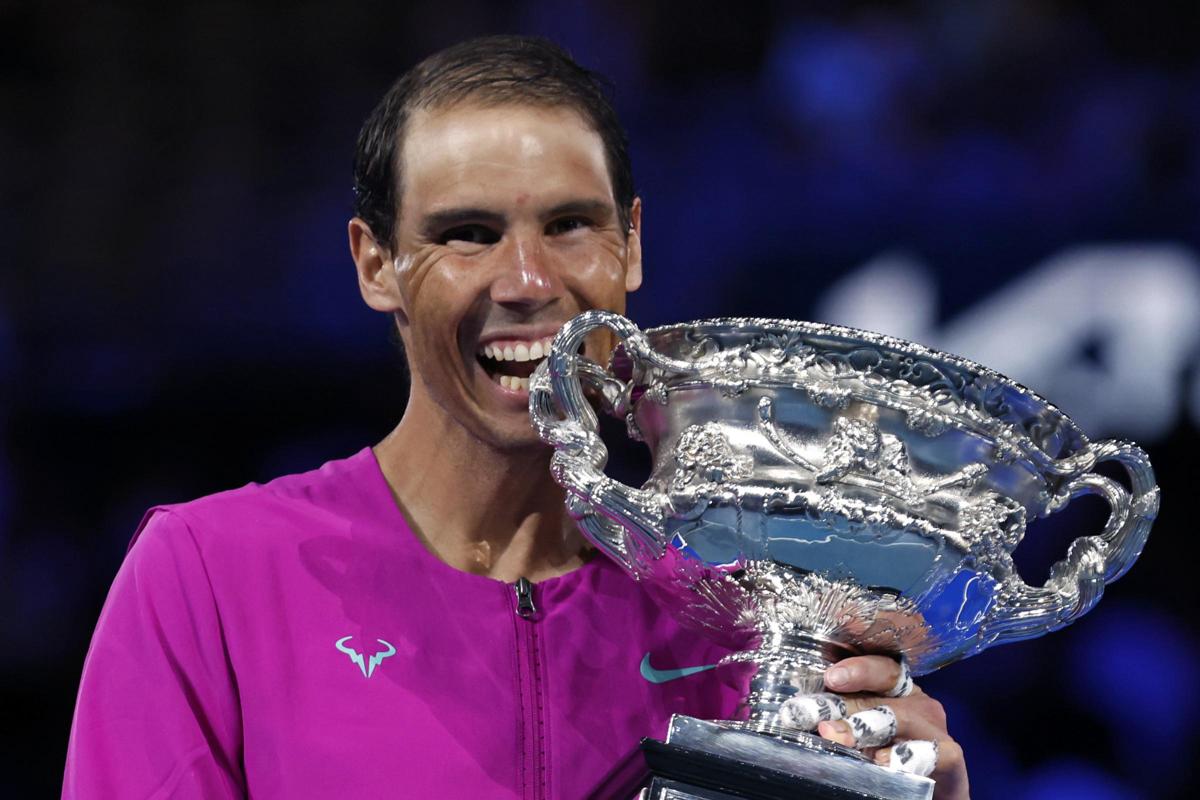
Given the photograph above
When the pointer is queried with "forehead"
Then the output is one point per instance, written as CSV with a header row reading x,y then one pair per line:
x,y
471,153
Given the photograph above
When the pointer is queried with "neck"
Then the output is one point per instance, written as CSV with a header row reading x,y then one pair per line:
x,y
479,509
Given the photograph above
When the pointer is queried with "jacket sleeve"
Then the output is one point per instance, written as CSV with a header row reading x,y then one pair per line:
x,y
157,715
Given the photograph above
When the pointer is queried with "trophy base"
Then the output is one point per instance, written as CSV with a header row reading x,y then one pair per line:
x,y
703,760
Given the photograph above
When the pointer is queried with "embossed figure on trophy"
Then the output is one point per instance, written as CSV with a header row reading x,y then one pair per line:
x,y
706,459
859,452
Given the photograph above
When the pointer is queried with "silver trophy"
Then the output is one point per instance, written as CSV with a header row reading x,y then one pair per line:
x,y
818,492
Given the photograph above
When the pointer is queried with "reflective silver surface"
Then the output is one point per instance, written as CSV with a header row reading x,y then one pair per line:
x,y
820,491
810,760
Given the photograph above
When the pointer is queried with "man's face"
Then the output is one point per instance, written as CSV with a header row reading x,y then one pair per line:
x,y
508,228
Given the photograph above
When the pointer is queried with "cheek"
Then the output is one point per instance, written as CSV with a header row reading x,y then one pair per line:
x,y
412,272
599,281
600,346
436,294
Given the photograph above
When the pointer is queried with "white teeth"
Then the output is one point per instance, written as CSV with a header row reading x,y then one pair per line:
x,y
520,351
514,384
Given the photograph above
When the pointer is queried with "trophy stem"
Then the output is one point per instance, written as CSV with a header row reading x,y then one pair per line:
x,y
789,664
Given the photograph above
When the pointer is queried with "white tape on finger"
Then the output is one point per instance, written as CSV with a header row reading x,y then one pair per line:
x,y
805,711
874,727
917,756
904,684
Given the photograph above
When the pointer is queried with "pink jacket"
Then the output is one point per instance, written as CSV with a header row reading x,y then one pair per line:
x,y
294,639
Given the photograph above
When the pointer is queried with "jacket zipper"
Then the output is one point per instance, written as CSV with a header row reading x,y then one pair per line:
x,y
534,769
524,590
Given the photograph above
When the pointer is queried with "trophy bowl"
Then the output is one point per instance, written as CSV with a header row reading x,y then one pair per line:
x,y
819,491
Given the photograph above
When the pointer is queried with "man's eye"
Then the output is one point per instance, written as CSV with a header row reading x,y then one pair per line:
x,y
471,234
566,225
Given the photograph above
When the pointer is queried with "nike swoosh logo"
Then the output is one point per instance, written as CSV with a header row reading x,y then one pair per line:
x,y
663,675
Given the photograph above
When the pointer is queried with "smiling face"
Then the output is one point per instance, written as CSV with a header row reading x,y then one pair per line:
x,y
507,229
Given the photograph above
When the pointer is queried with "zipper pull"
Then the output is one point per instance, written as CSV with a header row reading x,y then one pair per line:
x,y
525,606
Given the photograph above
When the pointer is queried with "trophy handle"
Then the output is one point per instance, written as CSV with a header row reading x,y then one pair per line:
x,y
612,515
1077,581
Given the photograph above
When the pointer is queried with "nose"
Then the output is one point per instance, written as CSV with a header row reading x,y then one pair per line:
x,y
526,278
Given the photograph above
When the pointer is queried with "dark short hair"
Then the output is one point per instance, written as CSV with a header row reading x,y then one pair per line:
x,y
492,70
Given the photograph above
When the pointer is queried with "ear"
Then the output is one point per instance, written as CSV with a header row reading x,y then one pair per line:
x,y
633,247
376,275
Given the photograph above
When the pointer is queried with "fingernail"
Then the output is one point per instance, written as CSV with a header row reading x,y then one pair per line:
x,y
837,676
837,732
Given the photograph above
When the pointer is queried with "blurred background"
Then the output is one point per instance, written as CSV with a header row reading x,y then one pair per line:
x,y
1014,181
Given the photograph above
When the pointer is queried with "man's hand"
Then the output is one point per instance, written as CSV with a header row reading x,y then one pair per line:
x,y
865,682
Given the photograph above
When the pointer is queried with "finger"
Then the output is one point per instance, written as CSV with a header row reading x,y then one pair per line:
x,y
916,756
870,674
951,771
904,685
874,727
949,767
805,711
918,716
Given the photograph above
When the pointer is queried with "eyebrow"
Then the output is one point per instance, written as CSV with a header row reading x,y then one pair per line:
x,y
587,207
436,223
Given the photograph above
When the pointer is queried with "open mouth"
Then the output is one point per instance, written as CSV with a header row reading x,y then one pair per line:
x,y
510,363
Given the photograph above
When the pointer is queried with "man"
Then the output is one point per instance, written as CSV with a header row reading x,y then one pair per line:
x,y
422,619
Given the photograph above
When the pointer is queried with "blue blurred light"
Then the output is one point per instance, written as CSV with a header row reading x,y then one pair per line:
x,y
714,195
1068,780
1136,668
1103,130
831,76
990,762
982,172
